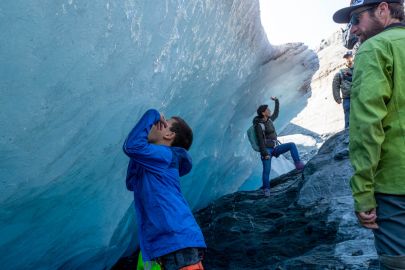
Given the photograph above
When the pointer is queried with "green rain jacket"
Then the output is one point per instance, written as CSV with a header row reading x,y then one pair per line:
x,y
377,118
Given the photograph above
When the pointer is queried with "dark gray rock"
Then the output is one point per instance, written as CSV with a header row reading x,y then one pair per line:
x,y
308,222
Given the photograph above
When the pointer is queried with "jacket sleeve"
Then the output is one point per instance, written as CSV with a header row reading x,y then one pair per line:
x,y
150,156
262,146
371,91
276,110
336,87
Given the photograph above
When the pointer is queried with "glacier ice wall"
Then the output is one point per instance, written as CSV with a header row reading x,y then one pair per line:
x,y
76,75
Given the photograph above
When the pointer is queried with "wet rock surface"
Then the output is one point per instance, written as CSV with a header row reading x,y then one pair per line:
x,y
308,221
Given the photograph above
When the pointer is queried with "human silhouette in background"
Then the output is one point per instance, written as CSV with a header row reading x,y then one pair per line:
x,y
377,124
342,83
168,232
268,143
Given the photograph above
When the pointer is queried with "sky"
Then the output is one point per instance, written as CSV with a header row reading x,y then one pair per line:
x,y
307,21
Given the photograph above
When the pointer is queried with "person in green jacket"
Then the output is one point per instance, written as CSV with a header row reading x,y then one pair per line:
x,y
377,124
341,85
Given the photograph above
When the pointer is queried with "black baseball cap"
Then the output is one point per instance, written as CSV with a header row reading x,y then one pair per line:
x,y
343,15
348,54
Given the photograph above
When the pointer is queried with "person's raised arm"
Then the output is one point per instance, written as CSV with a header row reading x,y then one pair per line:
x,y
137,147
276,109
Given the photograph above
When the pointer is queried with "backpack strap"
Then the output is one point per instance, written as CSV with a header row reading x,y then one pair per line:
x,y
341,75
263,127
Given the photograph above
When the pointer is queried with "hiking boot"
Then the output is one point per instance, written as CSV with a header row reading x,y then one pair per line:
x,y
267,192
299,165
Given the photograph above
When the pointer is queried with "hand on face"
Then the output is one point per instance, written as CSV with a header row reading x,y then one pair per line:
x,y
368,219
162,123
160,131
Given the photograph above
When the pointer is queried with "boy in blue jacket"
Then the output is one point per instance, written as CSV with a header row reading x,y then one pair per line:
x,y
168,232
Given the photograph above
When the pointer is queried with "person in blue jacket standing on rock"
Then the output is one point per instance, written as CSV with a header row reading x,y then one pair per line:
x,y
268,143
168,232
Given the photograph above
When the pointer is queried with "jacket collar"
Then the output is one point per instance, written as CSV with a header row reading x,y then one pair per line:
x,y
400,24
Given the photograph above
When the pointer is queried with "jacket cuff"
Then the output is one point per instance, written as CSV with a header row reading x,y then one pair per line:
x,y
364,201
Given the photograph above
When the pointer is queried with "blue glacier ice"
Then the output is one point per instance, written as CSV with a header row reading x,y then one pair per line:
x,y
74,78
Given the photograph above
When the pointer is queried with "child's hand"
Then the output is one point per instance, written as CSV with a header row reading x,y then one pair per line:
x,y
162,122
273,98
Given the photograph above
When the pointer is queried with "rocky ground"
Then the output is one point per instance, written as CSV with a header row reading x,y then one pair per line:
x,y
306,223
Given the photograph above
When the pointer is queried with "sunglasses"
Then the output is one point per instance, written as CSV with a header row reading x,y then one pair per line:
x,y
355,18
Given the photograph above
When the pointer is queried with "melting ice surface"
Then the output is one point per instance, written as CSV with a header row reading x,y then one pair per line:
x,y
74,78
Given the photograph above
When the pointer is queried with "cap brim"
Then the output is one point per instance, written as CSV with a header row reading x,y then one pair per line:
x,y
343,15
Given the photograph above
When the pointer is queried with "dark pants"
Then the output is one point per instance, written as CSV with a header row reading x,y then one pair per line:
x,y
346,110
276,151
181,258
390,237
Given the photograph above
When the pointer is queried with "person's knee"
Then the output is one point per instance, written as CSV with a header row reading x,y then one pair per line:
x,y
392,262
293,146
287,147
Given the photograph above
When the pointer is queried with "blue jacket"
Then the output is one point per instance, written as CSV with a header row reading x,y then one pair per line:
x,y
165,221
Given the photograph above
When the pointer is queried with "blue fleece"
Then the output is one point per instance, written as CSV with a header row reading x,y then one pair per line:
x,y
165,221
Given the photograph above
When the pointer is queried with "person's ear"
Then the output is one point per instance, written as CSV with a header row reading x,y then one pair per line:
x,y
383,8
169,135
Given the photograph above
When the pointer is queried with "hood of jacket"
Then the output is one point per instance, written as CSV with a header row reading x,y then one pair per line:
x,y
182,160
258,119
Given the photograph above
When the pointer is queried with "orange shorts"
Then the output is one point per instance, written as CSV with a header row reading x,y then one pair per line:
x,y
197,266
